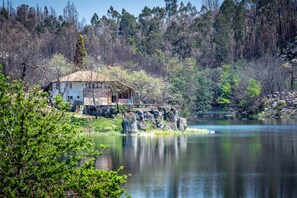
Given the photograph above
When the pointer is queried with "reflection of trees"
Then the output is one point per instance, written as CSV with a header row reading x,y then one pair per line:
x,y
143,152
258,165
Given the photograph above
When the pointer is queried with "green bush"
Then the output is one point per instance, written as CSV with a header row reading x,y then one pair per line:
x,y
42,155
280,105
107,124
97,125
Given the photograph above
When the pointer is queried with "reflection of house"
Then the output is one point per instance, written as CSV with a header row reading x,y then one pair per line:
x,y
91,88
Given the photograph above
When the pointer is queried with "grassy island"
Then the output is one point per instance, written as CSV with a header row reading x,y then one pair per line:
x,y
113,126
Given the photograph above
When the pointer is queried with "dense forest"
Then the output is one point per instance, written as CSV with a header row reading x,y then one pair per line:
x,y
220,56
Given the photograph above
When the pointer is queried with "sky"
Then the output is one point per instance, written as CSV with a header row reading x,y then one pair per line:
x,y
86,8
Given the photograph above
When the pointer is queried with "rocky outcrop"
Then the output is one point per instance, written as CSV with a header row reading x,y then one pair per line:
x,y
107,111
280,105
129,123
182,124
164,118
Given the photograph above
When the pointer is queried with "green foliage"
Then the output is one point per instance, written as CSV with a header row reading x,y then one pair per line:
x,y
225,94
108,125
149,89
228,80
59,65
128,25
253,89
191,88
203,93
80,52
183,87
250,105
100,124
41,153
223,101
280,105
124,108
171,7
4,13
159,42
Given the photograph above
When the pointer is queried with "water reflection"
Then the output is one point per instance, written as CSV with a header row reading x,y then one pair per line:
x,y
141,152
256,164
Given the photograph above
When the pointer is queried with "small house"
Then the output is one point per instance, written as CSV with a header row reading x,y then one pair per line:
x,y
92,89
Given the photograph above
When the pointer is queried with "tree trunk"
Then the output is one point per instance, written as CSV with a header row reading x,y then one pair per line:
x,y
292,81
24,70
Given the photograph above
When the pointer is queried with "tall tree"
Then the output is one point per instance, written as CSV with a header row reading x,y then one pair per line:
x,y
224,34
70,13
171,7
80,52
94,19
128,25
211,5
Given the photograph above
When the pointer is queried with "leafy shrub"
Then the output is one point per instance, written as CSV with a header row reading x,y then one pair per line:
x,y
42,155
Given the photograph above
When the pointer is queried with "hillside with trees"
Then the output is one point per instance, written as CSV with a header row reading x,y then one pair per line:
x,y
220,56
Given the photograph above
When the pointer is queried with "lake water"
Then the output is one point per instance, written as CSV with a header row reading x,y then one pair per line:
x,y
243,159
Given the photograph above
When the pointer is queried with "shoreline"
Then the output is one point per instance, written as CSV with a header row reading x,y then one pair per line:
x,y
155,133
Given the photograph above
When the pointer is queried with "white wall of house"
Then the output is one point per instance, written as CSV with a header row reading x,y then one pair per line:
x,y
72,91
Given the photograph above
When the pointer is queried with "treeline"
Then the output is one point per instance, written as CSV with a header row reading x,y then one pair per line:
x,y
248,36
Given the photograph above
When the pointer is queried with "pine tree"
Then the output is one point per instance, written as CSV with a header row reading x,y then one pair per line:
x,y
171,7
80,52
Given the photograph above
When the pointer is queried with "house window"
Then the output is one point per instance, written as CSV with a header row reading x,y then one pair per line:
x,y
70,98
57,85
125,95
70,85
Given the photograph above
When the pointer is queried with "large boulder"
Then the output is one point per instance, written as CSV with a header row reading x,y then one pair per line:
x,y
126,126
156,113
136,120
139,115
159,124
141,126
129,123
172,115
148,116
173,126
181,124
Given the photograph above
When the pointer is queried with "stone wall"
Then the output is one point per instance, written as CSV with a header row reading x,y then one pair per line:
x,y
281,105
106,111
163,118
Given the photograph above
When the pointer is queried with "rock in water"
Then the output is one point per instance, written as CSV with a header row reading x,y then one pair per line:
x,y
181,124
135,120
126,126
129,123
133,123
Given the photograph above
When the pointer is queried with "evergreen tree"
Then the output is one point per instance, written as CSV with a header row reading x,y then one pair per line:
x,y
171,7
203,93
128,25
80,52
223,37
94,19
